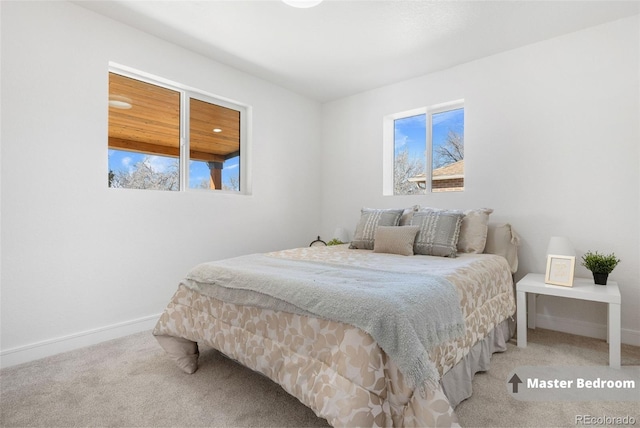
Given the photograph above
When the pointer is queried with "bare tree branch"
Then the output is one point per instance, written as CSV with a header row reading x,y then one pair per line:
x,y
451,151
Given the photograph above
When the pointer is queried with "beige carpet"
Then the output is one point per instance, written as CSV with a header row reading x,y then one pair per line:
x,y
130,382
492,406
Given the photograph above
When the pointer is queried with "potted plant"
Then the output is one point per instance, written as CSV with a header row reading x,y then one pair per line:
x,y
600,265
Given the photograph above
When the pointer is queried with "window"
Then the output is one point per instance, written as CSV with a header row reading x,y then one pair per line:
x,y
426,142
164,137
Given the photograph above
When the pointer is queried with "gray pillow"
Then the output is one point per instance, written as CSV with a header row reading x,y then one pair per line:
x,y
439,232
370,219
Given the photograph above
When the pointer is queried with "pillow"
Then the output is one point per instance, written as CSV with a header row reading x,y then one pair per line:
x,y
473,231
407,215
370,219
503,241
439,232
395,239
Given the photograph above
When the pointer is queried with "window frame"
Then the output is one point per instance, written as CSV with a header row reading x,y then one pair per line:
x,y
388,156
186,93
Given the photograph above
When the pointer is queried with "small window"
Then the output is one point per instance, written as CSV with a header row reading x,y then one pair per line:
x,y
410,149
214,148
163,137
425,143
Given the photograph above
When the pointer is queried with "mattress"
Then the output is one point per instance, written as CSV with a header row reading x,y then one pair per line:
x,y
337,369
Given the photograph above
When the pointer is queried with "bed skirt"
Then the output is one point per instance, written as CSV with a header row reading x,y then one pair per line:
x,y
457,382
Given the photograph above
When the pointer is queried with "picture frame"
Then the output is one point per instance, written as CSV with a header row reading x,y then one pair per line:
x,y
560,270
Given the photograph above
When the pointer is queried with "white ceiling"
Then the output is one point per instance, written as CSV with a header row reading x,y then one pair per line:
x,y
342,47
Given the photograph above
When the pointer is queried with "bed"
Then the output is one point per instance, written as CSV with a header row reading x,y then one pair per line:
x,y
349,371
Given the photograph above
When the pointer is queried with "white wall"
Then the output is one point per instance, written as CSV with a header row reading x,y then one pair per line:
x,y
549,128
78,257
551,143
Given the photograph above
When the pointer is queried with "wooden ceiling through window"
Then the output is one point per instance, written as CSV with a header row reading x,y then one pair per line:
x,y
152,124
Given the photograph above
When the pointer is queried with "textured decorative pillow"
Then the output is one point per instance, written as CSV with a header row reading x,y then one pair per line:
x,y
370,219
395,239
473,230
439,232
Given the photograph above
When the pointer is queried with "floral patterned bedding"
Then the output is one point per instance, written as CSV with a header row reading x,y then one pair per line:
x,y
336,369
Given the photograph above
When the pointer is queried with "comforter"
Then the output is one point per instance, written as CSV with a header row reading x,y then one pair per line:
x,y
335,368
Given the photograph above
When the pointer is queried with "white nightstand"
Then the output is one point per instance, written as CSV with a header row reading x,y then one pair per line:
x,y
583,289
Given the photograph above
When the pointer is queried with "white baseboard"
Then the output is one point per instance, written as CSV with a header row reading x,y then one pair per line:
x,y
584,328
46,348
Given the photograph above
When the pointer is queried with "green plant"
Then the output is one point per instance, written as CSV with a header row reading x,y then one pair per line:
x,y
600,263
335,241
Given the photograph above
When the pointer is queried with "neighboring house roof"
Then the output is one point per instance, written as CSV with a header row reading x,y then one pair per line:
x,y
453,170
447,172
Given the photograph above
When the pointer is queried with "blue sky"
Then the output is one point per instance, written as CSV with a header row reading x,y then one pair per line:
x,y
120,160
410,132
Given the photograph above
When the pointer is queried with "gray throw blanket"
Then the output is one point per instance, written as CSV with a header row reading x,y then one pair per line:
x,y
407,314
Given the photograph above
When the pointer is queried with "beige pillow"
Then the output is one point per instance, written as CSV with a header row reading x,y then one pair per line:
x,y
473,230
407,215
395,239
503,241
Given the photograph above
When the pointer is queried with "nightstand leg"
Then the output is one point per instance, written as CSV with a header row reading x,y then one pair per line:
x,y
521,308
614,335
531,310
